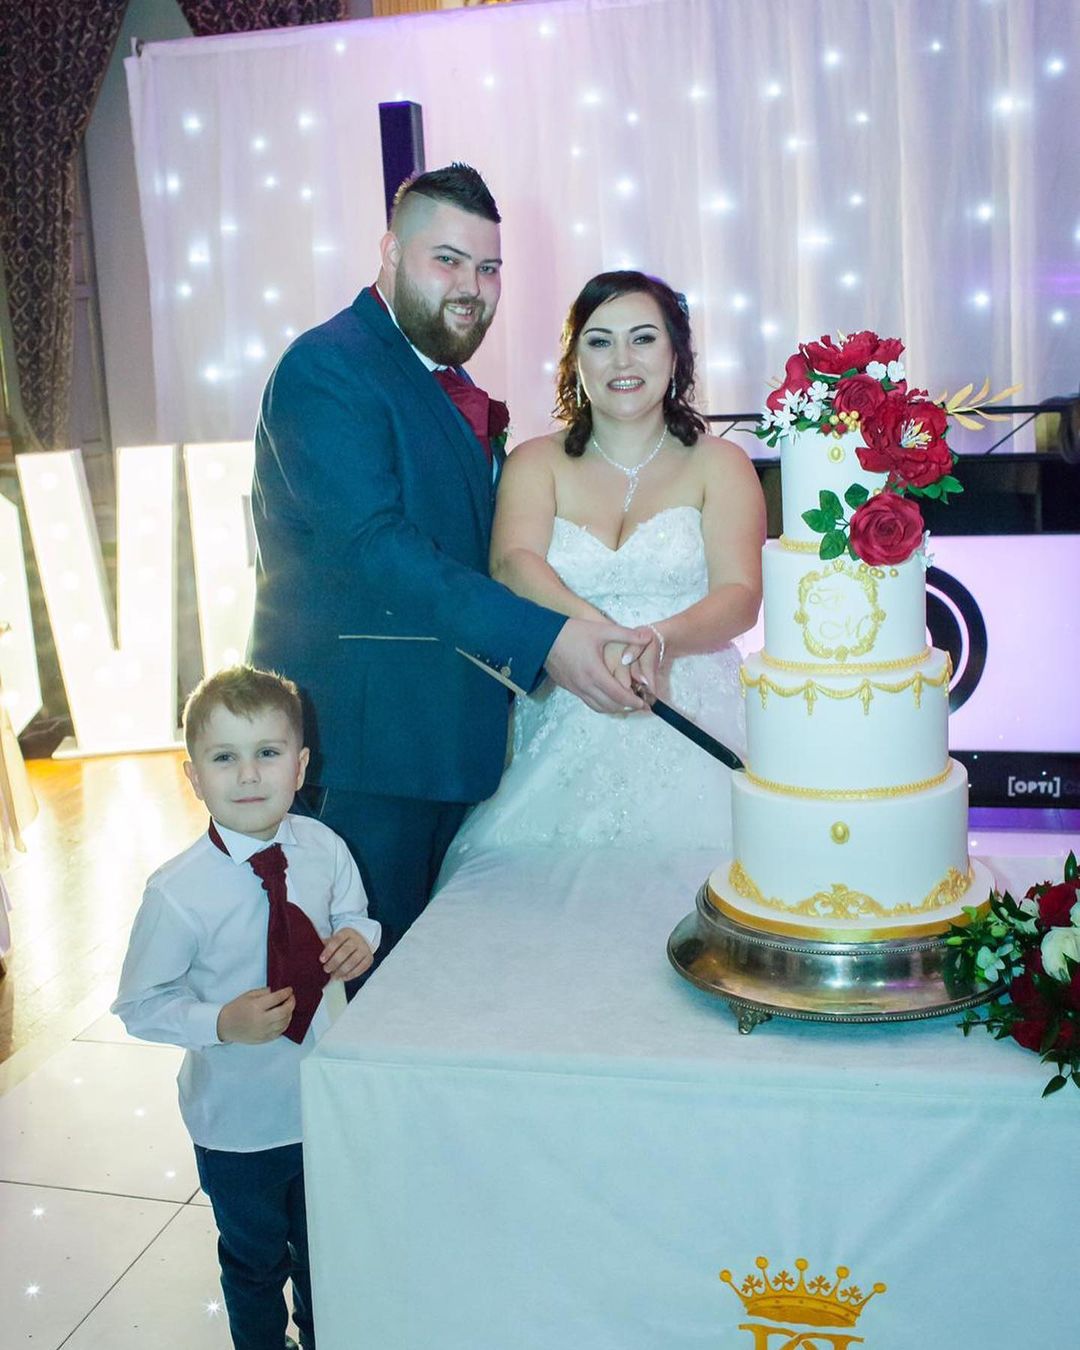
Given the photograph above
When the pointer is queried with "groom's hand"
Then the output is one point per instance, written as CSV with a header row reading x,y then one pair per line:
x,y
576,661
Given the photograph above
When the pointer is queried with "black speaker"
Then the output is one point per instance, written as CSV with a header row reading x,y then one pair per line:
x,y
401,126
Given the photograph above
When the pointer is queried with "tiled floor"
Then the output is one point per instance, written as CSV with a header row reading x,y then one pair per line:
x,y
107,1243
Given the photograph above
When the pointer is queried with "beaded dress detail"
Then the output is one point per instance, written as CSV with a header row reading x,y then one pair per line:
x,y
578,777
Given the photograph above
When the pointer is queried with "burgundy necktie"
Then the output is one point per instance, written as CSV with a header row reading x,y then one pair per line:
x,y
293,944
487,417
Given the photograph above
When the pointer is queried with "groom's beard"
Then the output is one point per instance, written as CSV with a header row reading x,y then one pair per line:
x,y
427,329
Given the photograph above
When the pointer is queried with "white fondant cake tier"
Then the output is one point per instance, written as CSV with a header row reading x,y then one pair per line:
x,y
841,612
810,730
874,863
810,462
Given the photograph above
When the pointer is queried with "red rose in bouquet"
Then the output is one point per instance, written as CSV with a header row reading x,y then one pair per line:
x,y
1026,957
860,394
886,530
1029,1032
1056,903
829,359
797,379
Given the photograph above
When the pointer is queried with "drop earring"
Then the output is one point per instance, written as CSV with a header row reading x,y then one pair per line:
x,y
578,391
674,391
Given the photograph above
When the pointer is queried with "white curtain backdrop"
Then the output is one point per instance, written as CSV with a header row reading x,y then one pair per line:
x,y
795,166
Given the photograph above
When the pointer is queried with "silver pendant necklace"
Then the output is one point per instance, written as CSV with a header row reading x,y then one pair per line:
x,y
631,474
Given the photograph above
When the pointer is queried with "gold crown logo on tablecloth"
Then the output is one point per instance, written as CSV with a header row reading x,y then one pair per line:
x,y
821,1303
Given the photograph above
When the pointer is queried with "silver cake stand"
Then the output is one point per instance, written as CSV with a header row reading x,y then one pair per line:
x,y
763,975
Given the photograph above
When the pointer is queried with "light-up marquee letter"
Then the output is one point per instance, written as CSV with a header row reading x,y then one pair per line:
x,y
223,545
122,693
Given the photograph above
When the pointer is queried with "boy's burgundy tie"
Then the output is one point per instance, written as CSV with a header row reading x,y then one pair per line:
x,y
293,944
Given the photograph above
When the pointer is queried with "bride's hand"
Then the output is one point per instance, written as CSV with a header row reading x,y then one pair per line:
x,y
648,668
613,659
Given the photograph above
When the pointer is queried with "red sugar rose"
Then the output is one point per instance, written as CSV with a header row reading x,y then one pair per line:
x,y
886,530
860,394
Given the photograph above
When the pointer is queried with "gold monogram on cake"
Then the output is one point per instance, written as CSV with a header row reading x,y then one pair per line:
x,y
800,1303
839,611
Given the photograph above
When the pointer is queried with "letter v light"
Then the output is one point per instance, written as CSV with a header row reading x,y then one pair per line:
x,y
122,692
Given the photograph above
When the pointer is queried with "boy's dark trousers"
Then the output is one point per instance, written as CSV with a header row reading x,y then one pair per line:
x,y
258,1203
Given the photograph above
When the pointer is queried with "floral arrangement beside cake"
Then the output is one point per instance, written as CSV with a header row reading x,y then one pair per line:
x,y
1032,948
850,822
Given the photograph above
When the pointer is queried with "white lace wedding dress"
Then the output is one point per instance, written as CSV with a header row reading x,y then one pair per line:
x,y
581,778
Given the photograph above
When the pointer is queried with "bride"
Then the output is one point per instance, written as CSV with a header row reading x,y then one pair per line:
x,y
630,513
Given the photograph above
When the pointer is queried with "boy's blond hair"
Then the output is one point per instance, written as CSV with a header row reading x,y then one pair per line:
x,y
244,691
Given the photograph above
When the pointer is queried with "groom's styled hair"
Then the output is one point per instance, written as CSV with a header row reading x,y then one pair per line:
x,y
458,185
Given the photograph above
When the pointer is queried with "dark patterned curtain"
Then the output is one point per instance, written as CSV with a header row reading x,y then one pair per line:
x,y
244,16
52,58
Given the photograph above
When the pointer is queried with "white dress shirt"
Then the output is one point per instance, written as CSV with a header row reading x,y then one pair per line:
x,y
199,941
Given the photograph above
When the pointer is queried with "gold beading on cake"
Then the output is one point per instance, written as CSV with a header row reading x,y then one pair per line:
x,y
798,545
848,794
841,902
852,668
864,691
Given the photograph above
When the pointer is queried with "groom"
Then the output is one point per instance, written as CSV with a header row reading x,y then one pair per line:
x,y
373,499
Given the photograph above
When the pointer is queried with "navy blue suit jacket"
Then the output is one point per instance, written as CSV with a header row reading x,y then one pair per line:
x,y
373,504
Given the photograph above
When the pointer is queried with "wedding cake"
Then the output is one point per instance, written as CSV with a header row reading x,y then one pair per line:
x,y
850,822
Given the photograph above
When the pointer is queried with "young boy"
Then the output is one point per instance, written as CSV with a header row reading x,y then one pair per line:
x,y
216,925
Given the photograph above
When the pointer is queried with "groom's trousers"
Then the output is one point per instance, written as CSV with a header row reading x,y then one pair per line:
x,y
399,844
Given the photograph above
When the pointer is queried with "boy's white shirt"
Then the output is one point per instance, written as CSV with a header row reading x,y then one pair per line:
x,y
199,941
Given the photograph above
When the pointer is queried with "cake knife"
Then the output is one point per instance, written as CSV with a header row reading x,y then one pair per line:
x,y
689,729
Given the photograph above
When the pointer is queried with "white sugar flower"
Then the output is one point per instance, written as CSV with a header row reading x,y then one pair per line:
x,y
783,418
876,370
1058,944
813,411
923,552
896,371
794,400
818,391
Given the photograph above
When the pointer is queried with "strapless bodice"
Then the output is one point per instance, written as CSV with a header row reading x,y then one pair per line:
x,y
656,571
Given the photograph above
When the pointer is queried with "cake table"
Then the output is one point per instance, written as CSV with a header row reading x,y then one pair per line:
x,y
528,1133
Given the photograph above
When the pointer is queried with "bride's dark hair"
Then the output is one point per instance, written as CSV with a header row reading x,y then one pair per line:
x,y
682,421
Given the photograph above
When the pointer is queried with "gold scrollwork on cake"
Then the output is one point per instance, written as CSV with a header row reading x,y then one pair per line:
x,y
851,668
839,611
848,794
864,691
841,902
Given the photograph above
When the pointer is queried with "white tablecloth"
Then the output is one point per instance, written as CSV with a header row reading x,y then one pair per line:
x,y
529,1133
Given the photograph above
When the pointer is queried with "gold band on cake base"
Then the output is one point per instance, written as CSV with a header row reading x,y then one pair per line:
x,y
949,891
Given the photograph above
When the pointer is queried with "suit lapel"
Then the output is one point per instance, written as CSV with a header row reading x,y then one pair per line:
x,y
433,405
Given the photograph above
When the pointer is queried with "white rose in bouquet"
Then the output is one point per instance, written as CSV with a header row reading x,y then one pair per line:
x,y
1058,944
